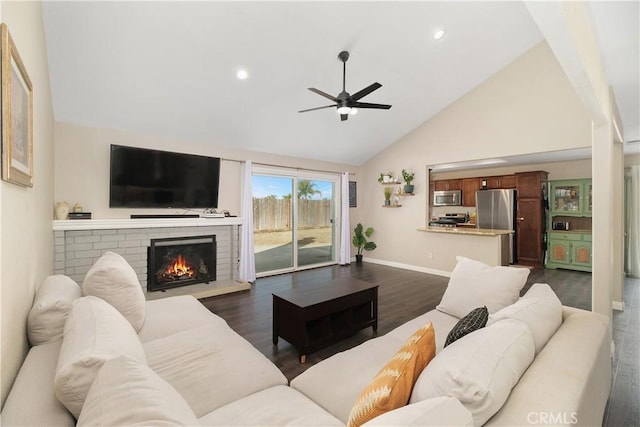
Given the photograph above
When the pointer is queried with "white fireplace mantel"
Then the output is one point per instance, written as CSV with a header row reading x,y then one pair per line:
x,y
109,224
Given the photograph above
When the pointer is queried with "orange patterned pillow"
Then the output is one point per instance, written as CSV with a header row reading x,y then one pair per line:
x,y
391,388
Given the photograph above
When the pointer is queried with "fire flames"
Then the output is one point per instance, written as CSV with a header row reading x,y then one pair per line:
x,y
177,270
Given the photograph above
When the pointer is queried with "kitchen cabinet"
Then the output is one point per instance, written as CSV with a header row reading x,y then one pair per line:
x,y
501,182
448,184
530,225
572,251
469,188
571,197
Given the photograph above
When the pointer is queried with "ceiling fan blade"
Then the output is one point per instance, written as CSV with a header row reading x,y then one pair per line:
x,y
321,93
366,91
369,105
344,117
317,108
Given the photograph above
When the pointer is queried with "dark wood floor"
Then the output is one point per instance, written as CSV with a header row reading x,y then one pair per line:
x,y
405,294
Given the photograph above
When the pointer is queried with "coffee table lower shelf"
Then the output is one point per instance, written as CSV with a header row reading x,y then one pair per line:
x,y
311,319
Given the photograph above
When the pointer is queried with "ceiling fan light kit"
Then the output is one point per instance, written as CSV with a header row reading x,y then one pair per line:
x,y
345,103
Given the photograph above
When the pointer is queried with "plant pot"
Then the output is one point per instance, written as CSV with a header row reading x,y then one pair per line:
x,y
358,259
386,178
387,202
408,188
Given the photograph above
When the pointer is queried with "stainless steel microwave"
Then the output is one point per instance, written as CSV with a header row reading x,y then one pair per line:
x,y
447,198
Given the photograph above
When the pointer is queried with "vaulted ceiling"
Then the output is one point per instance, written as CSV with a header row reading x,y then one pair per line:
x,y
169,68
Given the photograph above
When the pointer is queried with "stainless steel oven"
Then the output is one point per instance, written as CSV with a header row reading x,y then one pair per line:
x,y
447,198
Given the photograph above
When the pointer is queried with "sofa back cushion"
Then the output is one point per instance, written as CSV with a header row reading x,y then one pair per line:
x,y
93,333
51,305
480,369
112,279
539,308
126,392
474,284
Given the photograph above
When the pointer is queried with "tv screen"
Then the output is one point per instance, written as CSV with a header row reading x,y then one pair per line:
x,y
144,178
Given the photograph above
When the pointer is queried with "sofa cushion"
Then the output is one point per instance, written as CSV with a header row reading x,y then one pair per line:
x,y
539,308
391,388
93,333
211,366
275,406
473,321
172,315
126,392
474,284
31,401
112,279
442,324
480,369
438,411
45,322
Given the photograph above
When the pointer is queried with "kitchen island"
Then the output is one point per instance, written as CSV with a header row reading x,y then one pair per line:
x,y
486,245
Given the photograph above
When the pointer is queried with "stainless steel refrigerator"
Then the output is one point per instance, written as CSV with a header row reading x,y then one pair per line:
x,y
496,209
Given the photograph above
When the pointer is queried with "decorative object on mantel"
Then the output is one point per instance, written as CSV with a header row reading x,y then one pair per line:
x,y
408,179
387,195
79,215
62,210
360,236
17,115
77,208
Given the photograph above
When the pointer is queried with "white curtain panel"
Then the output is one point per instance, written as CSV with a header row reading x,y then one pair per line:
x,y
633,226
345,224
247,270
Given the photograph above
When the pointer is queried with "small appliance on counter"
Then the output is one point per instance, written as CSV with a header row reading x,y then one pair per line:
x,y
560,225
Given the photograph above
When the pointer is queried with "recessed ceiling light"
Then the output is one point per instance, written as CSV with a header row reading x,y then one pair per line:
x,y
242,74
438,34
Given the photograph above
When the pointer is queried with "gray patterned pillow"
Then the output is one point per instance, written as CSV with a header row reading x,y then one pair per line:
x,y
473,321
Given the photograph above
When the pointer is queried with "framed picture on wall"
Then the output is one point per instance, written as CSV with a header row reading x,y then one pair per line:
x,y
17,115
353,194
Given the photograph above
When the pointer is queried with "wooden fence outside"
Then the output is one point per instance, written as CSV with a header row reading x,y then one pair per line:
x,y
270,214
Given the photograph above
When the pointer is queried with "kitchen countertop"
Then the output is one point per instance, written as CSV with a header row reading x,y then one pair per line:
x,y
466,231
570,231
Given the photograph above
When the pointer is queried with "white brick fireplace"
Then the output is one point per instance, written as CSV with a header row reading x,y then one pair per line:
x,y
79,243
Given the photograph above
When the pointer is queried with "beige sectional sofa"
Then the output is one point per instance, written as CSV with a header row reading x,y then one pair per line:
x,y
531,365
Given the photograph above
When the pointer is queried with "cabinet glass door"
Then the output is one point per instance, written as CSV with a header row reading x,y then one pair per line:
x,y
589,189
566,198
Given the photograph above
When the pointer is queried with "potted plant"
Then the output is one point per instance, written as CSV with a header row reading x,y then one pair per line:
x,y
387,195
385,177
360,236
408,179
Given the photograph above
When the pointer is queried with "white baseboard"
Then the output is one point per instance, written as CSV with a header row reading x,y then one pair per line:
x,y
618,305
407,266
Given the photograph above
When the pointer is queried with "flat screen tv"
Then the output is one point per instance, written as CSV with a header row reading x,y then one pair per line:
x,y
144,178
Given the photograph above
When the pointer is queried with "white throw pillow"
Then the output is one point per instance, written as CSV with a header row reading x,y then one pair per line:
x,y
94,333
127,392
474,284
539,308
439,411
112,279
479,369
51,306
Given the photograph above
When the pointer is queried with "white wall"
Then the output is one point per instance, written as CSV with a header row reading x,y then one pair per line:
x,y
527,107
82,167
25,213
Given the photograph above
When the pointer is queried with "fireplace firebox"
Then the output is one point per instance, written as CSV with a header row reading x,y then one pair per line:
x,y
180,261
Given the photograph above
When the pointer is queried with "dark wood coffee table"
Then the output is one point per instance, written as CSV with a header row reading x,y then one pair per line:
x,y
311,318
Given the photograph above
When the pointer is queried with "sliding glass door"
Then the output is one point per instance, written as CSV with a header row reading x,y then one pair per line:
x,y
294,220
